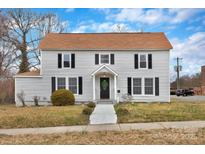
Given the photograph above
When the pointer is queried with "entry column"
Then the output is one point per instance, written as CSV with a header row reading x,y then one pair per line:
x,y
93,87
115,87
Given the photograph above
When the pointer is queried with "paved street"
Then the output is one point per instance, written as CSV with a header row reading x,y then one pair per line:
x,y
190,98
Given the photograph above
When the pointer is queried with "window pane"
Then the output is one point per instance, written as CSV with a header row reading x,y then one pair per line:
x,y
142,61
73,85
72,81
137,90
66,60
149,86
61,83
137,81
137,86
105,59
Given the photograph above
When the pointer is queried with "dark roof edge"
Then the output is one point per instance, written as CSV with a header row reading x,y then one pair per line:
x,y
161,49
112,33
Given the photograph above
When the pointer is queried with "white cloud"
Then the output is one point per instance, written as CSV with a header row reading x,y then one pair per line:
x,y
153,16
192,52
102,10
70,10
139,15
92,26
180,15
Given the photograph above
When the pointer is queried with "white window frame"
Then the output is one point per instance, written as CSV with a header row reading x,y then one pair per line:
x,y
63,60
133,86
57,81
143,86
146,54
153,86
67,82
76,83
108,58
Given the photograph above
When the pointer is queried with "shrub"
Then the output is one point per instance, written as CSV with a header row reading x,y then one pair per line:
x,y
62,97
36,100
122,111
87,111
91,105
21,97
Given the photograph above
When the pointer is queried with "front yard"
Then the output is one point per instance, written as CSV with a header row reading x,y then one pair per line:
x,y
154,112
22,117
164,136
25,117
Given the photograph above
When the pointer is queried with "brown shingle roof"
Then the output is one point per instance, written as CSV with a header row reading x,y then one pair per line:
x,y
104,41
32,73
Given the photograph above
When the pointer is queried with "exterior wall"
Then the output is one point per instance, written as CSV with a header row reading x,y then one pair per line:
x,y
85,65
31,87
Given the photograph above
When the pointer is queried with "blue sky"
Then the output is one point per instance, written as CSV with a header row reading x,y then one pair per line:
x,y
185,28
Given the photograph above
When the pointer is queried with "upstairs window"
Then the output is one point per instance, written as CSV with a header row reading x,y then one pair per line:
x,y
148,83
66,60
143,61
104,58
61,83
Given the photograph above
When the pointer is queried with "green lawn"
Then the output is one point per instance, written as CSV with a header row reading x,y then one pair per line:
x,y
155,112
22,117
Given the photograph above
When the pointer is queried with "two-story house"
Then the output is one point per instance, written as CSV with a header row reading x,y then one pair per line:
x,y
100,66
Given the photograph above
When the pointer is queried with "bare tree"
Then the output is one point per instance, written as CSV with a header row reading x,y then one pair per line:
x,y
3,27
6,49
26,29
49,23
120,28
7,58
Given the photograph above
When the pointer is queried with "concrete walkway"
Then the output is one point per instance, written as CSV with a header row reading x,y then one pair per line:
x,y
108,127
103,114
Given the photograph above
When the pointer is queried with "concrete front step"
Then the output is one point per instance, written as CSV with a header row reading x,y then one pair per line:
x,y
103,114
105,102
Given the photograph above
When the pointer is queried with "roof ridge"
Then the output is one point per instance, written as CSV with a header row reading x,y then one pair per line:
x,y
113,33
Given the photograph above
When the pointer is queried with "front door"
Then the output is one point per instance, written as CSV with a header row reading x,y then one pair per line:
x,y
104,88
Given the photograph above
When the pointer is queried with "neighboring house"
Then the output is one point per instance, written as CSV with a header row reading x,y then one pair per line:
x,y
100,66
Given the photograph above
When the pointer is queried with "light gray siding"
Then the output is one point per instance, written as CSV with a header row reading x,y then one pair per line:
x,y
85,65
31,87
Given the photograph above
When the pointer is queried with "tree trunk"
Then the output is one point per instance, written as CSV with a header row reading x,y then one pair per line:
x,y
24,65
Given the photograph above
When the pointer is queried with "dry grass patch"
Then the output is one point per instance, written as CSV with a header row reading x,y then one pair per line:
x,y
154,112
165,136
22,117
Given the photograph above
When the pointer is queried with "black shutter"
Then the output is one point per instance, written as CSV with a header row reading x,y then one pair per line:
x,y
59,60
72,60
129,85
156,86
136,61
96,59
112,59
149,61
53,84
80,85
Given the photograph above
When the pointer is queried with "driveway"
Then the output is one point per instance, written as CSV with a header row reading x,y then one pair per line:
x,y
196,98
103,114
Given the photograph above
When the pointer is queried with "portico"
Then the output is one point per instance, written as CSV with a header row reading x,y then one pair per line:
x,y
104,84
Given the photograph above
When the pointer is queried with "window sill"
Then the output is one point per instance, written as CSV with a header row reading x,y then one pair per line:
x,y
142,95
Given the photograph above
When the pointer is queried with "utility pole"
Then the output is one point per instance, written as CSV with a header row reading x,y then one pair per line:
x,y
178,68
